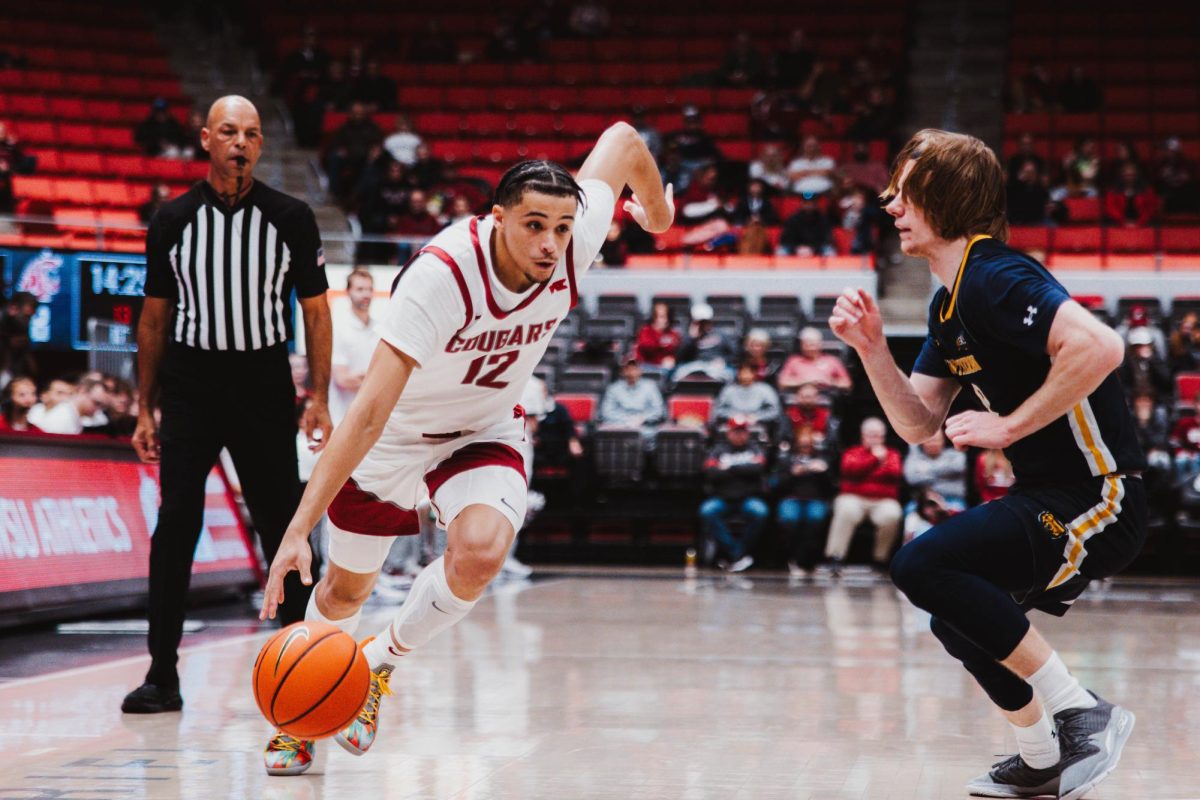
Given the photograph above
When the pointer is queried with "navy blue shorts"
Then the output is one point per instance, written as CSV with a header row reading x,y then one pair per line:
x,y
1078,533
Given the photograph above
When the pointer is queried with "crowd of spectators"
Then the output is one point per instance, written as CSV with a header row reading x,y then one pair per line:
x,y
777,448
1132,188
1168,425
792,199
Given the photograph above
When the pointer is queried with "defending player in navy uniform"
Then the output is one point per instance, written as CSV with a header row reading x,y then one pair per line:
x,y
1042,369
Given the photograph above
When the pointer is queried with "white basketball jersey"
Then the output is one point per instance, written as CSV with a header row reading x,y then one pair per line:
x,y
477,352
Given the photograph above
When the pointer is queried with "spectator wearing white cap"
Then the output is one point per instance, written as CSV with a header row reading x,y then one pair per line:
x,y
1144,371
705,350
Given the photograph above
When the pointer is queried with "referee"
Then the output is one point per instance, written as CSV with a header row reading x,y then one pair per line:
x,y
222,261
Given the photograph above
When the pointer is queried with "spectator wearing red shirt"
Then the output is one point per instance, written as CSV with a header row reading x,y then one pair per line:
x,y
1185,440
658,340
813,365
870,489
806,409
1131,201
414,221
993,475
19,396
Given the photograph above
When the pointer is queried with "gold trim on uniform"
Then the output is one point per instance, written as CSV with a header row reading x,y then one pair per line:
x,y
947,312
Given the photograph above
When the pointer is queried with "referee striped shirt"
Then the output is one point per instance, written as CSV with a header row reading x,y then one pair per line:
x,y
231,270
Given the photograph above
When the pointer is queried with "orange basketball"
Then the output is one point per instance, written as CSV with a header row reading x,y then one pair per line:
x,y
311,680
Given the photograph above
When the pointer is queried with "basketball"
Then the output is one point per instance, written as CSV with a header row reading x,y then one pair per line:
x,y
310,680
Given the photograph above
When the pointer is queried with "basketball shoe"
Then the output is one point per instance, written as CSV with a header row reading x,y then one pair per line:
x,y
1012,777
287,755
360,735
1091,740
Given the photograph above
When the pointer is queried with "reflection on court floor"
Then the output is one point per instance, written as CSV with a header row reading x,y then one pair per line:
x,y
660,688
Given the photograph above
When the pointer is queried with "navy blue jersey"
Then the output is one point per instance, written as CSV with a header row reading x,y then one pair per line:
x,y
990,332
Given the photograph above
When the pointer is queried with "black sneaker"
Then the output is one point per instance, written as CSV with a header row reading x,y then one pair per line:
x,y
1091,740
1012,777
152,699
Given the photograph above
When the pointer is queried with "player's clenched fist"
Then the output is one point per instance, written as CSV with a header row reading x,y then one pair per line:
x,y
856,320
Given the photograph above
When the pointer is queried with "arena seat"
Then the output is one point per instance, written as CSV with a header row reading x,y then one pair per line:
x,y
581,407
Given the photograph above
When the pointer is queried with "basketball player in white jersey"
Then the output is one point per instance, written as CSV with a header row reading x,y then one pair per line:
x,y
437,415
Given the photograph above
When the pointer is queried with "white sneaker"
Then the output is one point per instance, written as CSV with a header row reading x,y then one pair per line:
x,y
515,569
798,572
742,564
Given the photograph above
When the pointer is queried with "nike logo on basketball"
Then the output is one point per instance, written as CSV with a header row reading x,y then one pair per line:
x,y
293,636
558,286
435,605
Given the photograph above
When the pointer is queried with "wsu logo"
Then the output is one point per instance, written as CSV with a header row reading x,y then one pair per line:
x,y
41,276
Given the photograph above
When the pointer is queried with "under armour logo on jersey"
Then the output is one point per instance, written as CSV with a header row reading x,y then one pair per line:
x,y
558,286
1029,316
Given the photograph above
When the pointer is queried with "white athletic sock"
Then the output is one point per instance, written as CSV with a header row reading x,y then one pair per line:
x,y
429,609
1038,743
1058,688
349,624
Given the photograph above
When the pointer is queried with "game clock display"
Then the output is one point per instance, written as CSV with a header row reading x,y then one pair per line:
x,y
111,287
73,288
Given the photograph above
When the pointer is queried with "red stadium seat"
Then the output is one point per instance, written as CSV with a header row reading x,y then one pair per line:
x,y
111,138
37,132
681,406
73,192
32,187
1180,240
1092,302
79,135
1029,237
1076,124
485,123
1083,209
1176,124
115,194
536,123
418,97
68,108
581,407
28,105
1079,238
499,150
1131,240
82,163
1187,385
468,98
49,160
1036,123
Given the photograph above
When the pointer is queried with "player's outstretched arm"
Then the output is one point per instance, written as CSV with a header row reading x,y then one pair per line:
x,y
620,158
916,406
386,377
1083,350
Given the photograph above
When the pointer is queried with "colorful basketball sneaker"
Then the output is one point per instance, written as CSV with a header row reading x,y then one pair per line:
x,y
1091,740
360,735
1012,777
287,755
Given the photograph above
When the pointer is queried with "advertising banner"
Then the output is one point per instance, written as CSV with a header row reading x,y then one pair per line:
x,y
76,521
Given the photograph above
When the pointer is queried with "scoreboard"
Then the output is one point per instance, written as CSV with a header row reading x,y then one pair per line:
x,y
73,288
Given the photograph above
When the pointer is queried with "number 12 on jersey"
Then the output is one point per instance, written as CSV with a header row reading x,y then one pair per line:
x,y
499,361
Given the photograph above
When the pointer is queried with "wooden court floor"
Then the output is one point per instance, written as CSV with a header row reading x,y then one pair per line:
x,y
650,688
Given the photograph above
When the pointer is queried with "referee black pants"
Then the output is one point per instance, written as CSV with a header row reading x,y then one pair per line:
x,y
212,400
